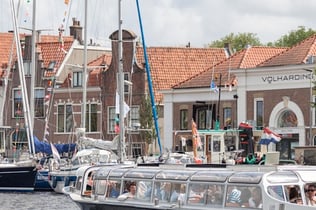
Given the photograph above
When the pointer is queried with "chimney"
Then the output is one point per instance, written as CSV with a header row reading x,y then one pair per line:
x,y
76,30
228,50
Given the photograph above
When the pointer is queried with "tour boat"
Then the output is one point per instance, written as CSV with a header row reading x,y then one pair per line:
x,y
194,187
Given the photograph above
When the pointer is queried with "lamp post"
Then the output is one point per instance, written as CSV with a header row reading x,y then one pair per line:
x,y
310,106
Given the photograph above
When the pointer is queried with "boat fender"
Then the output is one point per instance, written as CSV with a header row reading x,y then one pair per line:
x,y
54,181
67,181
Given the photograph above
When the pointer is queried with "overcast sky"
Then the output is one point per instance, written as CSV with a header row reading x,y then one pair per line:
x,y
170,22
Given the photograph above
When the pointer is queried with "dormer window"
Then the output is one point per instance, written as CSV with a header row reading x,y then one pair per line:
x,y
77,79
51,65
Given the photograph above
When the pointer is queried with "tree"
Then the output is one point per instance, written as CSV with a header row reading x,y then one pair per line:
x,y
237,42
294,37
146,121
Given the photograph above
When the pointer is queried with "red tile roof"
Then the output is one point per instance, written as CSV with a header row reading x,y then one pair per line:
x,y
52,51
95,75
170,65
298,54
247,58
49,47
5,50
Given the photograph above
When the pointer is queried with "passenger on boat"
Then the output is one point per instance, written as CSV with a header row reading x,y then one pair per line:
x,y
294,195
131,192
165,191
234,198
256,200
90,181
310,194
112,191
214,194
181,197
196,193
244,197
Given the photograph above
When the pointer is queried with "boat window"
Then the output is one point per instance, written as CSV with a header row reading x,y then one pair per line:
x,y
293,194
112,188
214,194
100,187
79,183
282,177
174,175
203,193
246,177
244,196
147,174
118,172
103,172
310,190
212,176
143,191
169,192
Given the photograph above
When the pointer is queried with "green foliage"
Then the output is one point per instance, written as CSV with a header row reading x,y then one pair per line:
x,y
237,42
146,120
294,37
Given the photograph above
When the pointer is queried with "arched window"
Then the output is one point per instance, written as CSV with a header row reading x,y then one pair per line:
x,y
287,119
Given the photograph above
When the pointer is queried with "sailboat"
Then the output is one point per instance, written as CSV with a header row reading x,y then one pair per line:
x,y
20,175
89,151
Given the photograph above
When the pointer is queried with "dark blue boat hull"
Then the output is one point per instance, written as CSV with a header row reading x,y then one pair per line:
x,y
17,178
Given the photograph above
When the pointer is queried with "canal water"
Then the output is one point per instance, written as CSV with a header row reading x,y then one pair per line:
x,y
36,201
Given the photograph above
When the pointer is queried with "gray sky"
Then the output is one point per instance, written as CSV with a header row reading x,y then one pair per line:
x,y
170,22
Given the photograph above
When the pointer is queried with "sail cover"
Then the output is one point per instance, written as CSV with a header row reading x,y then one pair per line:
x,y
44,147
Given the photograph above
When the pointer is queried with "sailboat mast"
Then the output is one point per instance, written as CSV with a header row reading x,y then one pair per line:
x,y
121,148
25,100
84,73
152,97
33,65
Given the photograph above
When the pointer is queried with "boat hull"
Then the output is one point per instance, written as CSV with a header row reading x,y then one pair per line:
x,y
17,178
41,183
102,206
59,180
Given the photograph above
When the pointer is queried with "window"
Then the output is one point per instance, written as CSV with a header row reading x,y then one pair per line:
x,y
287,119
137,150
92,118
39,108
259,112
27,68
77,79
17,103
133,117
64,118
126,86
227,117
19,139
111,120
202,119
183,119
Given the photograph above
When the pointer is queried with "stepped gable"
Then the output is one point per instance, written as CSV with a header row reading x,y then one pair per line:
x,y
245,59
170,65
295,55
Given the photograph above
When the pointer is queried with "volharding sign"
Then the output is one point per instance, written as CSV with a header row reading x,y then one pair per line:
x,y
291,77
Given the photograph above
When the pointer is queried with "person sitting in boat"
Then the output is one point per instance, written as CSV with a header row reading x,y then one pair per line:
x,y
196,193
112,191
310,195
166,193
256,200
131,192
